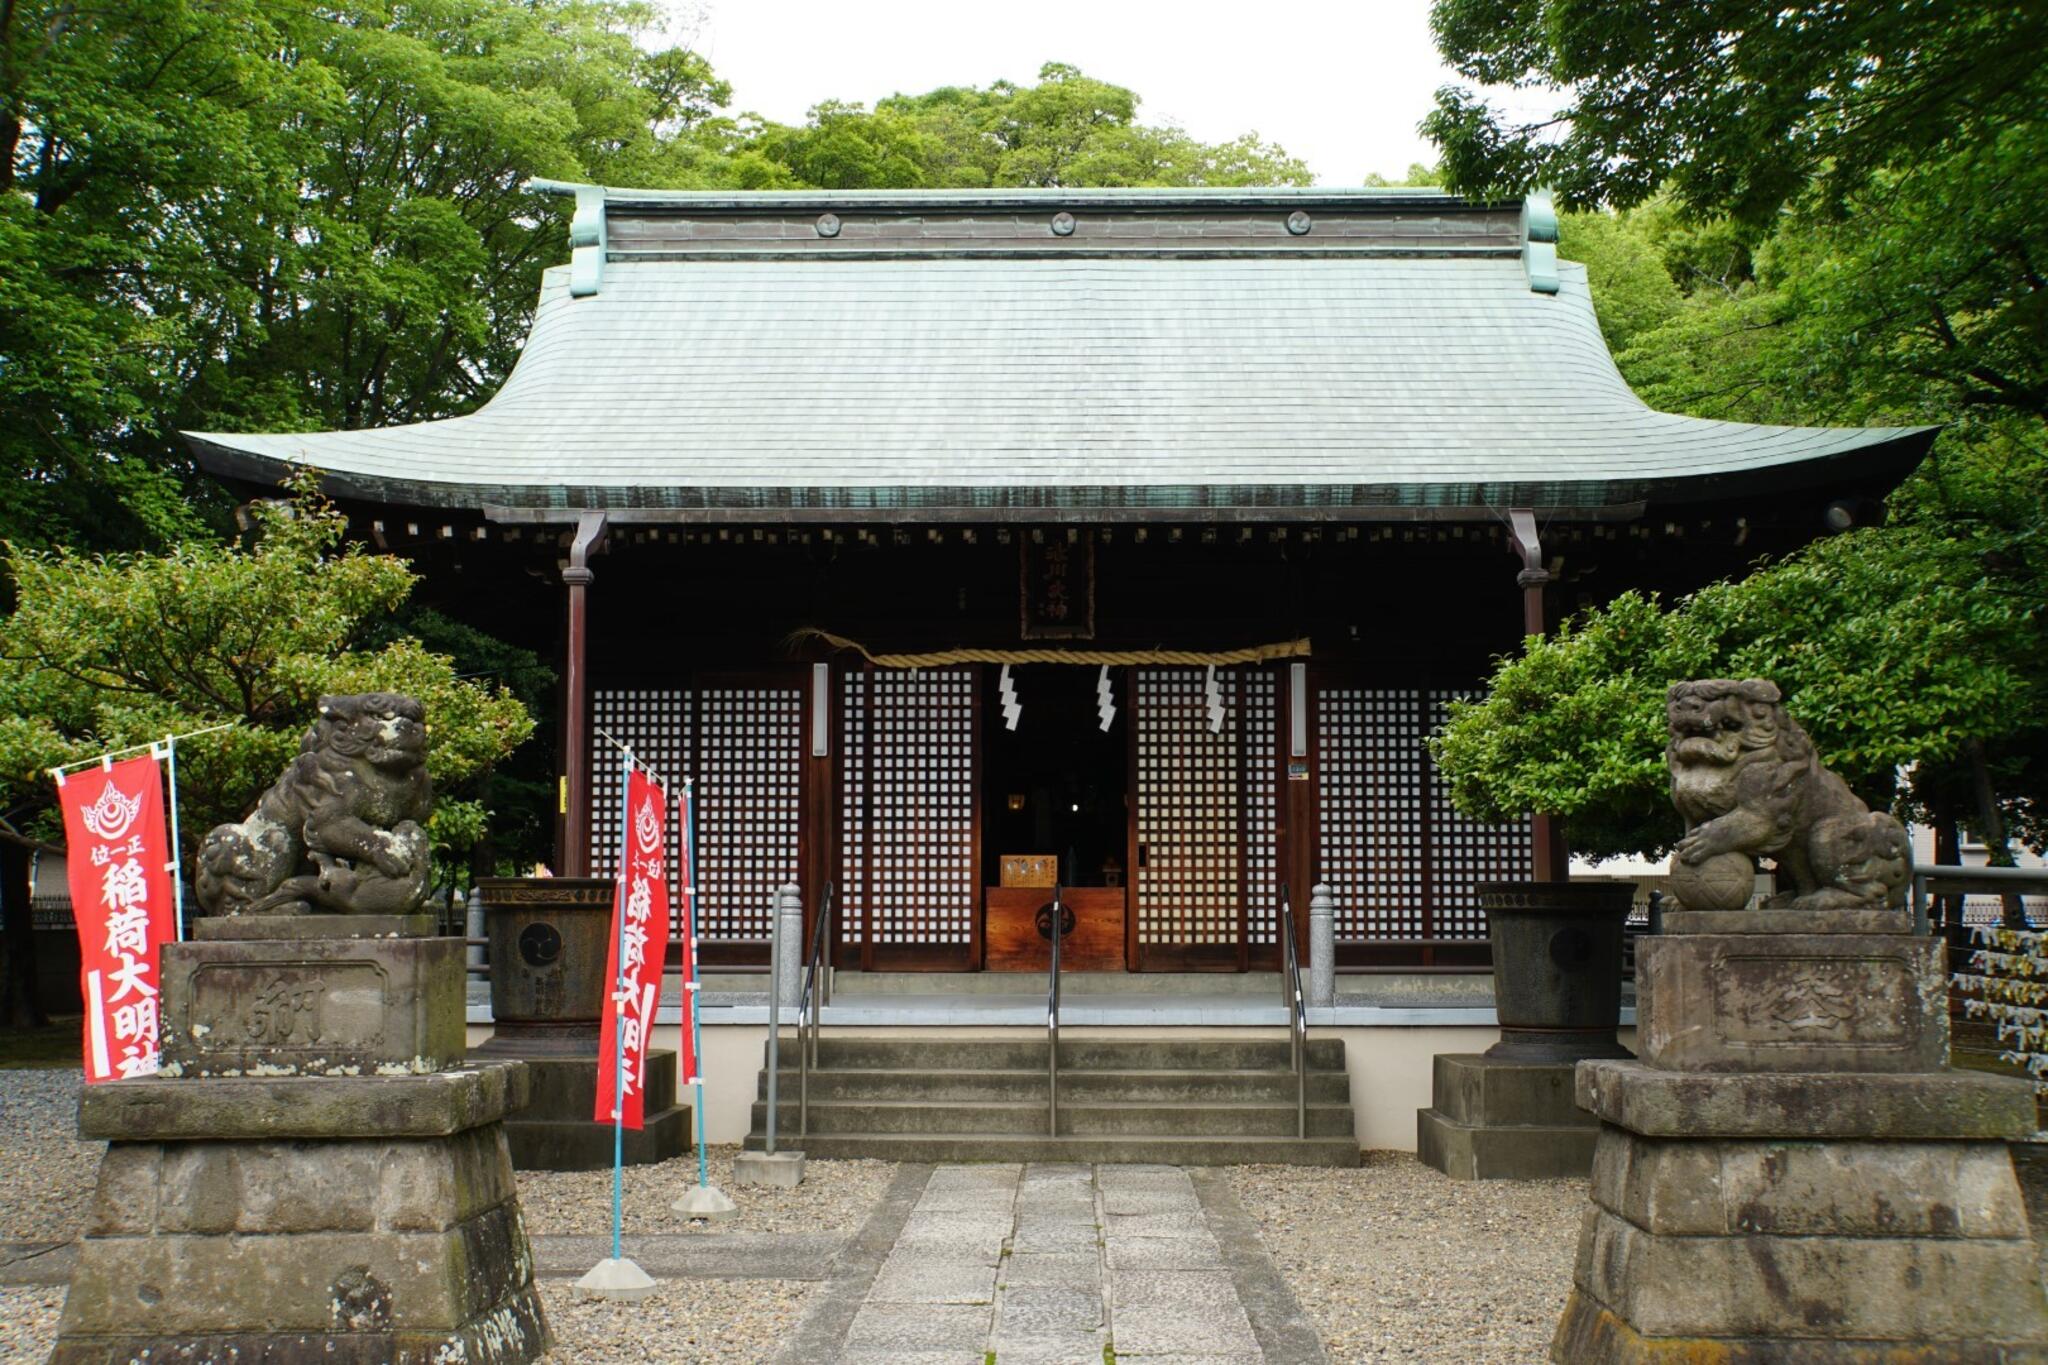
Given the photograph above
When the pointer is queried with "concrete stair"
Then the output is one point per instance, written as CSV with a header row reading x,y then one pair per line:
x,y
1205,1102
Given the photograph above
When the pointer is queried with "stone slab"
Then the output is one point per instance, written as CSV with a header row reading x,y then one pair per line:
x,y
158,1108
226,928
397,1185
1931,1190
165,1287
1943,1104
1470,1151
777,1170
580,1145
512,1333
1590,1333
1788,922
1904,1290
1471,1088
1792,1002
330,1006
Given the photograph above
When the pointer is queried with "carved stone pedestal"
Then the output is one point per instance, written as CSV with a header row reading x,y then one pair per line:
x,y
1791,1173
317,1176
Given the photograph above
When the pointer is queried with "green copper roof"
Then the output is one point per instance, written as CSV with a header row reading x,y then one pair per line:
x,y
1411,367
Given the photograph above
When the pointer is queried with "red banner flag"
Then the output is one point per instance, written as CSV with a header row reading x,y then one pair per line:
x,y
640,930
119,864
688,882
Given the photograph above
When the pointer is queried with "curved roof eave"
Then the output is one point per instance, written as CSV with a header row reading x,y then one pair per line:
x,y
956,388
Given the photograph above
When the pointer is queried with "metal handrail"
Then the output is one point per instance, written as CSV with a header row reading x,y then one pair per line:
x,y
1052,1019
1982,880
1297,1013
817,993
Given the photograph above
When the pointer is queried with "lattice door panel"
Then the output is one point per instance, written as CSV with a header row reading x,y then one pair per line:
x,y
749,805
855,784
657,725
1190,799
1261,743
1464,853
1371,796
909,865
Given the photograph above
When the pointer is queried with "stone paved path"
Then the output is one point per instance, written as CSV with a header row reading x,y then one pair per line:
x,y
1050,1264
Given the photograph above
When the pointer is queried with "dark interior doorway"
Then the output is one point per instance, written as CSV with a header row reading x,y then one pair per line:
x,y
1057,783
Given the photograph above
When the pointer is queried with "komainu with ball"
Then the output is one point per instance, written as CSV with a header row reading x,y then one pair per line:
x,y
342,831
1749,784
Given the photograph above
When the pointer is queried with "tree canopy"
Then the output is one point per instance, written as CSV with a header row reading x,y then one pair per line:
x,y
1814,214
234,214
107,651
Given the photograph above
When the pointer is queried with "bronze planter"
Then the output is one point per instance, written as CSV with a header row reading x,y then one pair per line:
x,y
1556,967
549,940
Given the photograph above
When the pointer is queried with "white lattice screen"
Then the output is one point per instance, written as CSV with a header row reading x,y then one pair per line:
x,y
1464,853
656,724
907,798
1190,791
1369,808
1400,860
854,787
1261,694
749,804
743,746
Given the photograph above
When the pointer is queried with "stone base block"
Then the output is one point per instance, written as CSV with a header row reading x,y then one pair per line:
x,y
510,1334
782,1170
555,1131
1777,1001
1466,1151
333,1006
1590,1334
1495,1119
1935,1104
304,1218
362,1249
1772,1250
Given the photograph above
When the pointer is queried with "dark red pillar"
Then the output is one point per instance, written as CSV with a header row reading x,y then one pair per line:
x,y
1552,857
572,853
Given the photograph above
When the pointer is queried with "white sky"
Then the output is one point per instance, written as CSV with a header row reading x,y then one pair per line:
x,y
1339,85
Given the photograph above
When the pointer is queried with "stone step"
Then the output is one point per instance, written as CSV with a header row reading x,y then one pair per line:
x,y
1175,1151
1078,1119
1527,1151
1076,1054
1028,1085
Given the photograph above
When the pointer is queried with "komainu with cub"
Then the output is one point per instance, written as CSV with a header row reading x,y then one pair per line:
x,y
1748,782
342,831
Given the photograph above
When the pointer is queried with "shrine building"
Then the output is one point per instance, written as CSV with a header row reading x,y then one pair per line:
x,y
1240,486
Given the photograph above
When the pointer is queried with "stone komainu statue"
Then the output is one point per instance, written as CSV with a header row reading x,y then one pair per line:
x,y
1747,781
342,830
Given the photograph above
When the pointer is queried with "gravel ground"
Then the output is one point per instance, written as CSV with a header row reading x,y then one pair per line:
x,y
1396,1262
732,1322
28,1323
836,1196
46,1171
727,1321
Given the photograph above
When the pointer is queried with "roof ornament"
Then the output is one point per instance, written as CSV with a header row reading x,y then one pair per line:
x,y
586,233
1539,241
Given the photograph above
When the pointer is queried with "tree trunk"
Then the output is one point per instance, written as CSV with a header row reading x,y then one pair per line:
x,y
21,1004
1991,824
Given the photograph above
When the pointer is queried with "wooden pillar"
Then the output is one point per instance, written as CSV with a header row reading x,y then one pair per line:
x,y
1551,855
572,850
